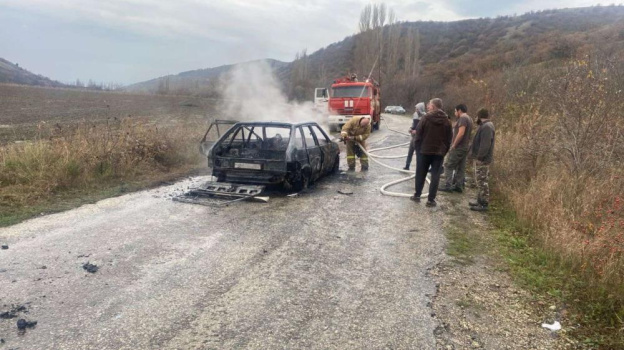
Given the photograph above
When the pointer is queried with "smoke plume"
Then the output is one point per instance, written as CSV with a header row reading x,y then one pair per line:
x,y
253,93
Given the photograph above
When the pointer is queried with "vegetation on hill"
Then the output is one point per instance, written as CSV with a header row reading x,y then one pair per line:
x,y
14,74
419,60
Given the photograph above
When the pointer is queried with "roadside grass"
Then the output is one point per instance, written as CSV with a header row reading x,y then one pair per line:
x,y
465,242
594,314
89,162
66,200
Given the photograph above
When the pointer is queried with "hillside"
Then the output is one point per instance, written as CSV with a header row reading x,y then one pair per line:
x,y
451,52
13,73
419,59
194,81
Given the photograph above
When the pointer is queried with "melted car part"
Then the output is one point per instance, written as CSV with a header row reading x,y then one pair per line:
x,y
222,193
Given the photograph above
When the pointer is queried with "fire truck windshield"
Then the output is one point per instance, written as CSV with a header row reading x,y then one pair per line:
x,y
351,91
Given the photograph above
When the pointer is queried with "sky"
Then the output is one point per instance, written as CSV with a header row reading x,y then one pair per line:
x,y
128,41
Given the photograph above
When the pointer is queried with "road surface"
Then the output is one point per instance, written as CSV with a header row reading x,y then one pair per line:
x,y
321,270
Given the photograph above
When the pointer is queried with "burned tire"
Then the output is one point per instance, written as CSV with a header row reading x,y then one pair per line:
x,y
336,167
298,180
302,182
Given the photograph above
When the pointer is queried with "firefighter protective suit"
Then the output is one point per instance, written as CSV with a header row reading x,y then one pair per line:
x,y
353,132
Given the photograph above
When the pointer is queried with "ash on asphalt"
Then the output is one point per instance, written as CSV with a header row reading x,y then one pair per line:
x,y
92,268
13,312
22,324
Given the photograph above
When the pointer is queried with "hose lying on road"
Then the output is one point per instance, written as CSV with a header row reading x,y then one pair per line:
x,y
374,157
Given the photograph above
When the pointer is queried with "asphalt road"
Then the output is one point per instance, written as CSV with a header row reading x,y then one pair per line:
x,y
321,270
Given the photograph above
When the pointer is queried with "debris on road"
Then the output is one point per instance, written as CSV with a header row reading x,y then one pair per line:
x,y
22,324
5,246
553,327
92,268
345,191
13,312
209,194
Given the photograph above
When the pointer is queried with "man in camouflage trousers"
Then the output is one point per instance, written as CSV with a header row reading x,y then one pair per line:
x,y
482,151
355,132
455,166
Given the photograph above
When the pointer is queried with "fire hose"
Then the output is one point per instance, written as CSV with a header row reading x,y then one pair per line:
x,y
373,157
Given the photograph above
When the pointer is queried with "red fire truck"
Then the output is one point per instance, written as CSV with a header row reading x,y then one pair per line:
x,y
349,97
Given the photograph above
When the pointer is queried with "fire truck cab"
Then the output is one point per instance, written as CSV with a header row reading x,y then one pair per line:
x,y
348,97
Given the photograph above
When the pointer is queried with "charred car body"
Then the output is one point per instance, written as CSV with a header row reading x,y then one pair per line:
x,y
273,153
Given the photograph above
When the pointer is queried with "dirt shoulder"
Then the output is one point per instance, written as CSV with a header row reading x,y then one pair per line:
x,y
478,304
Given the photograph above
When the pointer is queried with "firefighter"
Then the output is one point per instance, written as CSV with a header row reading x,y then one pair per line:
x,y
356,130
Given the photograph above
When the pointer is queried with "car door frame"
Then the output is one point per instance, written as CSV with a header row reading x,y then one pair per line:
x,y
326,148
301,155
315,170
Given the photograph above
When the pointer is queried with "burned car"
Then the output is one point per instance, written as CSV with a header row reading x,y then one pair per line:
x,y
273,153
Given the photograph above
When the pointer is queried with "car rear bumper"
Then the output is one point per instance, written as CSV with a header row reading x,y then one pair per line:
x,y
262,177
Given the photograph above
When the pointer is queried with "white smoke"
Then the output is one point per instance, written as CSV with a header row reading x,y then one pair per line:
x,y
252,93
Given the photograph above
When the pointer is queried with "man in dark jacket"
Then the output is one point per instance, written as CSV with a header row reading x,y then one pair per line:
x,y
433,141
482,151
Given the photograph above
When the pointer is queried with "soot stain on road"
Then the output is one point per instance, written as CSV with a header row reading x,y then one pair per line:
x,y
22,324
13,312
91,268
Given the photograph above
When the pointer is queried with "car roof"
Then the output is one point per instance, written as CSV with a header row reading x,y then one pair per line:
x,y
275,123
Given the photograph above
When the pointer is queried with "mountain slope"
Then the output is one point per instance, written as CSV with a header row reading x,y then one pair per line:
x,y
451,52
445,52
194,80
13,73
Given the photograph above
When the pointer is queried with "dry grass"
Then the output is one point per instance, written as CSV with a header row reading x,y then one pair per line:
x,y
92,156
559,165
566,178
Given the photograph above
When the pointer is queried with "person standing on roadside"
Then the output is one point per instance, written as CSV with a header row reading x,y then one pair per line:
x,y
455,165
420,112
482,151
433,140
